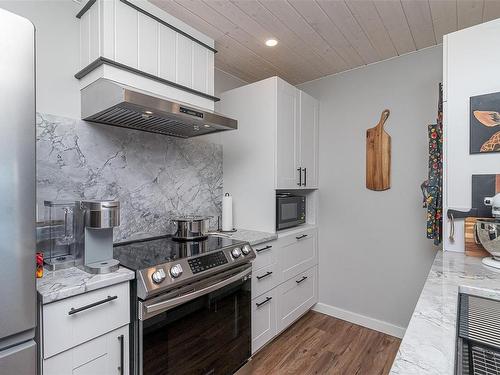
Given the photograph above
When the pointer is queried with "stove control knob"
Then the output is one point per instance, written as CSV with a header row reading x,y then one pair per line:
x,y
246,249
176,271
158,276
236,252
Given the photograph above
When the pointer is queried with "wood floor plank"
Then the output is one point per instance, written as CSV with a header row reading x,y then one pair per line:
x,y
321,344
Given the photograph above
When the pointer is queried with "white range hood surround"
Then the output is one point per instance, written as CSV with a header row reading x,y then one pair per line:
x,y
136,44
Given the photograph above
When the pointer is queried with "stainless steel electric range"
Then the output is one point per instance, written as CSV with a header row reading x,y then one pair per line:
x,y
190,305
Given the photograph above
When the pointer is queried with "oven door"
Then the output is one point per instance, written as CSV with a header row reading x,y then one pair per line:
x,y
201,329
290,211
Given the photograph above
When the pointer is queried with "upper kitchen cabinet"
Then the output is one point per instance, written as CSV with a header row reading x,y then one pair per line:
x,y
275,148
296,138
137,44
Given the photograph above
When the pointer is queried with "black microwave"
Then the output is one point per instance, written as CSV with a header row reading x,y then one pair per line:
x,y
290,210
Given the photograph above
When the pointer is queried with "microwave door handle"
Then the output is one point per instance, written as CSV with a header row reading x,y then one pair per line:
x,y
159,307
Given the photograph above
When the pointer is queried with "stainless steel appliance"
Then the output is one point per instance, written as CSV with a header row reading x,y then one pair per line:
x,y
190,304
56,234
290,210
111,103
96,220
487,232
193,228
478,339
17,192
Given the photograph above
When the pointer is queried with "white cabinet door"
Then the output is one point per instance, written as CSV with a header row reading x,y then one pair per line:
x,y
265,279
104,355
267,254
287,148
309,140
296,296
97,312
263,319
298,252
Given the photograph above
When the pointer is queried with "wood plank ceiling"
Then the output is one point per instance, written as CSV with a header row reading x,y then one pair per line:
x,y
322,37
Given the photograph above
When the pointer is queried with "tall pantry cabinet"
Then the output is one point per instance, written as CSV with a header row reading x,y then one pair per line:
x,y
274,148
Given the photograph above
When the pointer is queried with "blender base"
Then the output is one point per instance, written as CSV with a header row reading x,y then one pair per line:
x,y
491,262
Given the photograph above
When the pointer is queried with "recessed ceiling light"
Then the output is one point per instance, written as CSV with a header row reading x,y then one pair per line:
x,y
271,42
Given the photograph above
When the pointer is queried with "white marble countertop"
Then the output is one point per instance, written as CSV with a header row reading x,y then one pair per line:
x,y
253,237
56,285
428,346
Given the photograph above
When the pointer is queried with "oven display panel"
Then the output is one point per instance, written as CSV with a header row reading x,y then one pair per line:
x,y
207,261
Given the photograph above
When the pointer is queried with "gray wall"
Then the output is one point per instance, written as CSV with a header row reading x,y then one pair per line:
x,y
374,256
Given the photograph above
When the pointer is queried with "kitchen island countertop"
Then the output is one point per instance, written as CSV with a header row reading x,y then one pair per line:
x,y
253,237
428,346
56,285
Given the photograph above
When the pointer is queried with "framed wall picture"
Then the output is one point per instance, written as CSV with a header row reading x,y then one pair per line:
x,y
485,123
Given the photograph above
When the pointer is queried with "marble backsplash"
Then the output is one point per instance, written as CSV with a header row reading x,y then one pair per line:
x,y
155,177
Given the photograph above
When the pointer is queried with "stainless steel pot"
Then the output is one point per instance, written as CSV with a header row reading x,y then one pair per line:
x,y
193,228
488,234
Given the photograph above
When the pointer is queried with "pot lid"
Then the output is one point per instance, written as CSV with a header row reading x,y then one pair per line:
x,y
190,218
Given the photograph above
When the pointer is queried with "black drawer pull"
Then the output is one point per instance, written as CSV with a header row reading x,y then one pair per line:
x,y
268,273
301,237
80,309
263,302
264,248
303,279
305,176
122,354
300,176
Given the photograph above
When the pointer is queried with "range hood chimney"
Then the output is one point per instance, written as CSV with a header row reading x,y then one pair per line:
x,y
107,102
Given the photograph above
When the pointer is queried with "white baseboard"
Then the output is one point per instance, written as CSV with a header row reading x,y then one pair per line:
x,y
362,320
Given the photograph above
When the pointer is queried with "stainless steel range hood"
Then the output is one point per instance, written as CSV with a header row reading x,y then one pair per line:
x,y
111,103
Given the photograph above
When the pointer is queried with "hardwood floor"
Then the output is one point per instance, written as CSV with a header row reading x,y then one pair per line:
x,y
321,344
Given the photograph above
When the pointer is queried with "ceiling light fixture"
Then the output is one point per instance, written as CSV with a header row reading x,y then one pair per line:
x,y
271,42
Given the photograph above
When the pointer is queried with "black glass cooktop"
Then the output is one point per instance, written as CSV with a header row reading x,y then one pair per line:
x,y
147,253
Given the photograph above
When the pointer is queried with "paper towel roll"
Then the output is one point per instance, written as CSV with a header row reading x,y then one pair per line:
x,y
227,212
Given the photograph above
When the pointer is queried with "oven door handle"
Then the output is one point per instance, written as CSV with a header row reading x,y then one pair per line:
x,y
152,309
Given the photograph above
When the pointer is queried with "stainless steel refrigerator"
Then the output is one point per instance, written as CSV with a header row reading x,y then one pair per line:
x,y
17,195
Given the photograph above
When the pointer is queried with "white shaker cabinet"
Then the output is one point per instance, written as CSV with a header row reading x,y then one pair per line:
x,y
264,319
275,148
308,140
284,283
87,333
287,136
104,355
296,138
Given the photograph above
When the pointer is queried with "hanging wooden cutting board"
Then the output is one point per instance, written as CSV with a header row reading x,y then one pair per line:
x,y
378,156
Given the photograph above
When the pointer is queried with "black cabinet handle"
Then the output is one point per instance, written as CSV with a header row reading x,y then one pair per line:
x,y
263,302
268,273
122,354
301,237
303,279
80,309
264,248
305,176
300,176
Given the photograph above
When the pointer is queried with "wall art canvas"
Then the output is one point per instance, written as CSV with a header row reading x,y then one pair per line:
x,y
485,123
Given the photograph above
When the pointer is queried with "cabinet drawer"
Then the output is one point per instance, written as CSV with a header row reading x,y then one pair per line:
x,y
264,279
64,328
102,355
298,252
263,319
296,296
266,254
